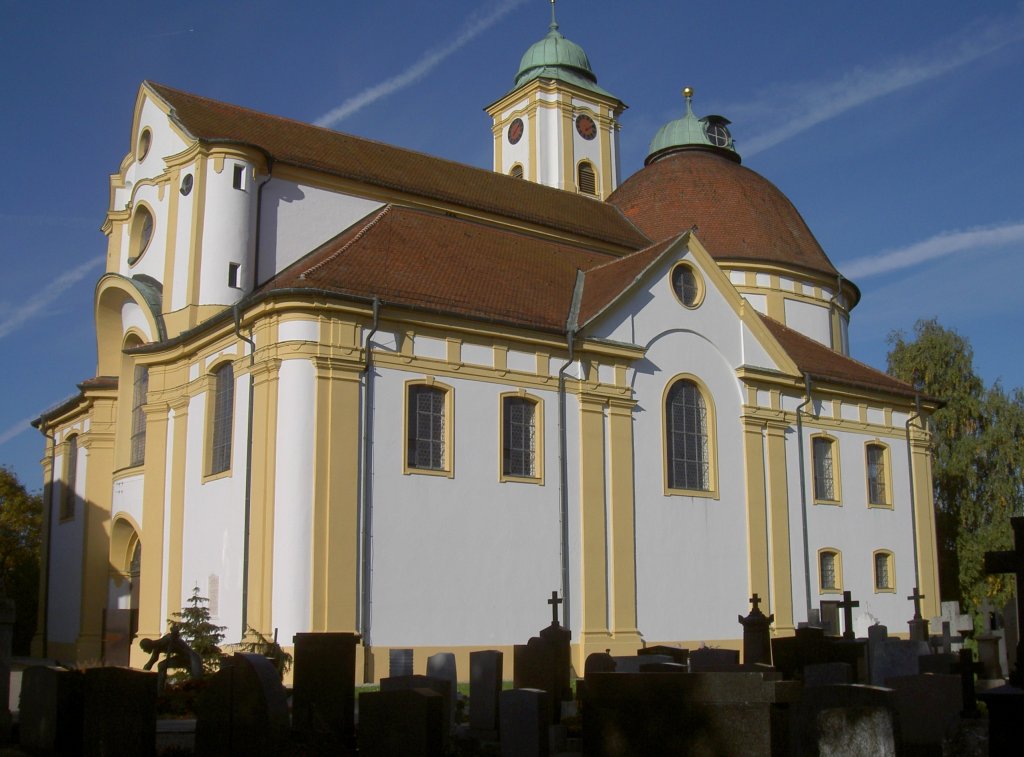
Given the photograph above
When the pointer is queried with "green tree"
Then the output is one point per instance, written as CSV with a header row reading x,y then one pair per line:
x,y
196,628
21,515
977,458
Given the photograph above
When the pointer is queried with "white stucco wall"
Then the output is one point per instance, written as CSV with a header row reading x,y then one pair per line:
x,y
132,316
549,149
183,241
293,497
810,320
296,218
127,497
229,225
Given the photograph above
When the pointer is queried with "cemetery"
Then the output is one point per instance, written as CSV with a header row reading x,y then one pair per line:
x,y
914,692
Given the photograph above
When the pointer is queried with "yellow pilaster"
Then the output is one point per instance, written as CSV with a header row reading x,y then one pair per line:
x,y
778,498
924,521
336,495
594,635
261,502
151,575
757,510
179,439
622,529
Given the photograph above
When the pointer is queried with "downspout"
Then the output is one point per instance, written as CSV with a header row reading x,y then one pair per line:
x,y
248,467
563,450
832,308
259,215
803,491
49,534
365,525
916,415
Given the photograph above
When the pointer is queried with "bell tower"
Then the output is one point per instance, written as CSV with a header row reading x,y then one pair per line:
x,y
556,126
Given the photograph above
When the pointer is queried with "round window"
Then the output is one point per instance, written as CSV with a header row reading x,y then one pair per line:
x,y
687,285
717,134
145,140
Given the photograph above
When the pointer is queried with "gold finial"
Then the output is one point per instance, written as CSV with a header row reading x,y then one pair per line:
x,y
687,91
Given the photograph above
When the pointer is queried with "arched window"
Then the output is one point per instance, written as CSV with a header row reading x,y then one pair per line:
x,y
826,468
586,178
687,441
830,571
516,172
140,388
428,428
885,579
877,475
67,506
222,418
521,443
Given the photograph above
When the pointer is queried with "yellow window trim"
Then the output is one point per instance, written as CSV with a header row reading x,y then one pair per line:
x,y
448,471
698,300
887,473
838,588
209,382
890,559
538,452
837,484
712,430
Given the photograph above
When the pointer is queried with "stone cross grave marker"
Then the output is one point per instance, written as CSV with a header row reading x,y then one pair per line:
x,y
555,601
1012,561
918,626
847,606
756,634
966,669
917,596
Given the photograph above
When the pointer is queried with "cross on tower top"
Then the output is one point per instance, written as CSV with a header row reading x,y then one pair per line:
x,y
554,602
847,606
917,596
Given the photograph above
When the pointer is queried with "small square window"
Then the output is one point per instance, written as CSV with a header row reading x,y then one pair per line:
x,y
239,177
233,269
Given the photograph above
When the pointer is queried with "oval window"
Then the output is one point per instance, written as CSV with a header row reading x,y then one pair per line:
x,y
687,285
141,234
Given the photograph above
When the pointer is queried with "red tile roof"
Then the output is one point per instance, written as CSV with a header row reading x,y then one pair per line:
x,y
824,364
739,214
605,283
393,168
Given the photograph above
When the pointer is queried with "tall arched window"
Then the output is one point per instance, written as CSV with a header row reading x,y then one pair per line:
x,y
222,418
586,178
67,506
140,388
876,461
830,571
428,428
521,440
687,441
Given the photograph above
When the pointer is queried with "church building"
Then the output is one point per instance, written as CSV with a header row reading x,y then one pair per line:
x,y
344,386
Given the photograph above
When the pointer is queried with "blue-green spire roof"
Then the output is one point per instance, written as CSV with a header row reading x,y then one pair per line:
x,y
690,131
555,57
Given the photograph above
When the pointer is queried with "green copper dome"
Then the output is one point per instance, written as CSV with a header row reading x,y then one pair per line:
x,y
691,132
555,57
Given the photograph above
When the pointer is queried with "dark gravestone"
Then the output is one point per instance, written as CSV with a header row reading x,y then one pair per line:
x,y
402,723
756,635
525,722
847,606
854,652
400,662
244,709
119,712
50,710
664,667
929,709
937,664
485,679
807,647
427,683
599,662
918,625
830,617
442,665
323,688
628,664
712,660
694,713
541,664
845,720
827,674
117,636
966,668
680,656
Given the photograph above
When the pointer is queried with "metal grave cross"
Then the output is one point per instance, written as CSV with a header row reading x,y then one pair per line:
x,y
917,596
755,601
847,606
966,668
554,602
1012,561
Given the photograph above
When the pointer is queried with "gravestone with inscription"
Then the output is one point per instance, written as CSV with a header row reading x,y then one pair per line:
x,y
323,688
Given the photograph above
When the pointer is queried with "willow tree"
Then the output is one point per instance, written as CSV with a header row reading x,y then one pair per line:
x,y
977,458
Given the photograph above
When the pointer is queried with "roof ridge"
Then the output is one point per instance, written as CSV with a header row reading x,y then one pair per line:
x,y
359,235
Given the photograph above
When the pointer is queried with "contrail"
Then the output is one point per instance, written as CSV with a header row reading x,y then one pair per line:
x,y
807,105
46,295
474,27
16,430
940,245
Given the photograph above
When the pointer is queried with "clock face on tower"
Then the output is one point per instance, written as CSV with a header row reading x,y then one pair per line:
x,y
586,127
515,131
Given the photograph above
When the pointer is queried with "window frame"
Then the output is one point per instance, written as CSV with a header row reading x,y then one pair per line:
x,y
513,171
837,569
448,466
887,504
837,488
137,418
216,424
698,280
538,437
70,478
136,248
890,567
710,430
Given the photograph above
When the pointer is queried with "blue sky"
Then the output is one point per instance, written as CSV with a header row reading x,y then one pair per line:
x,y
895,128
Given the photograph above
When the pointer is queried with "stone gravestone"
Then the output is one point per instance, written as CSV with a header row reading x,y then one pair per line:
x,y
626,664
829,617
929,709
847,606
438,685
323,688
7,618
400,662
714,660
485,679
827,674
966,668
918,625
895,657
544,662
442,665
50,710
243,710
525,722
808,646
757,635
849,720
119,712
679,656
402,722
